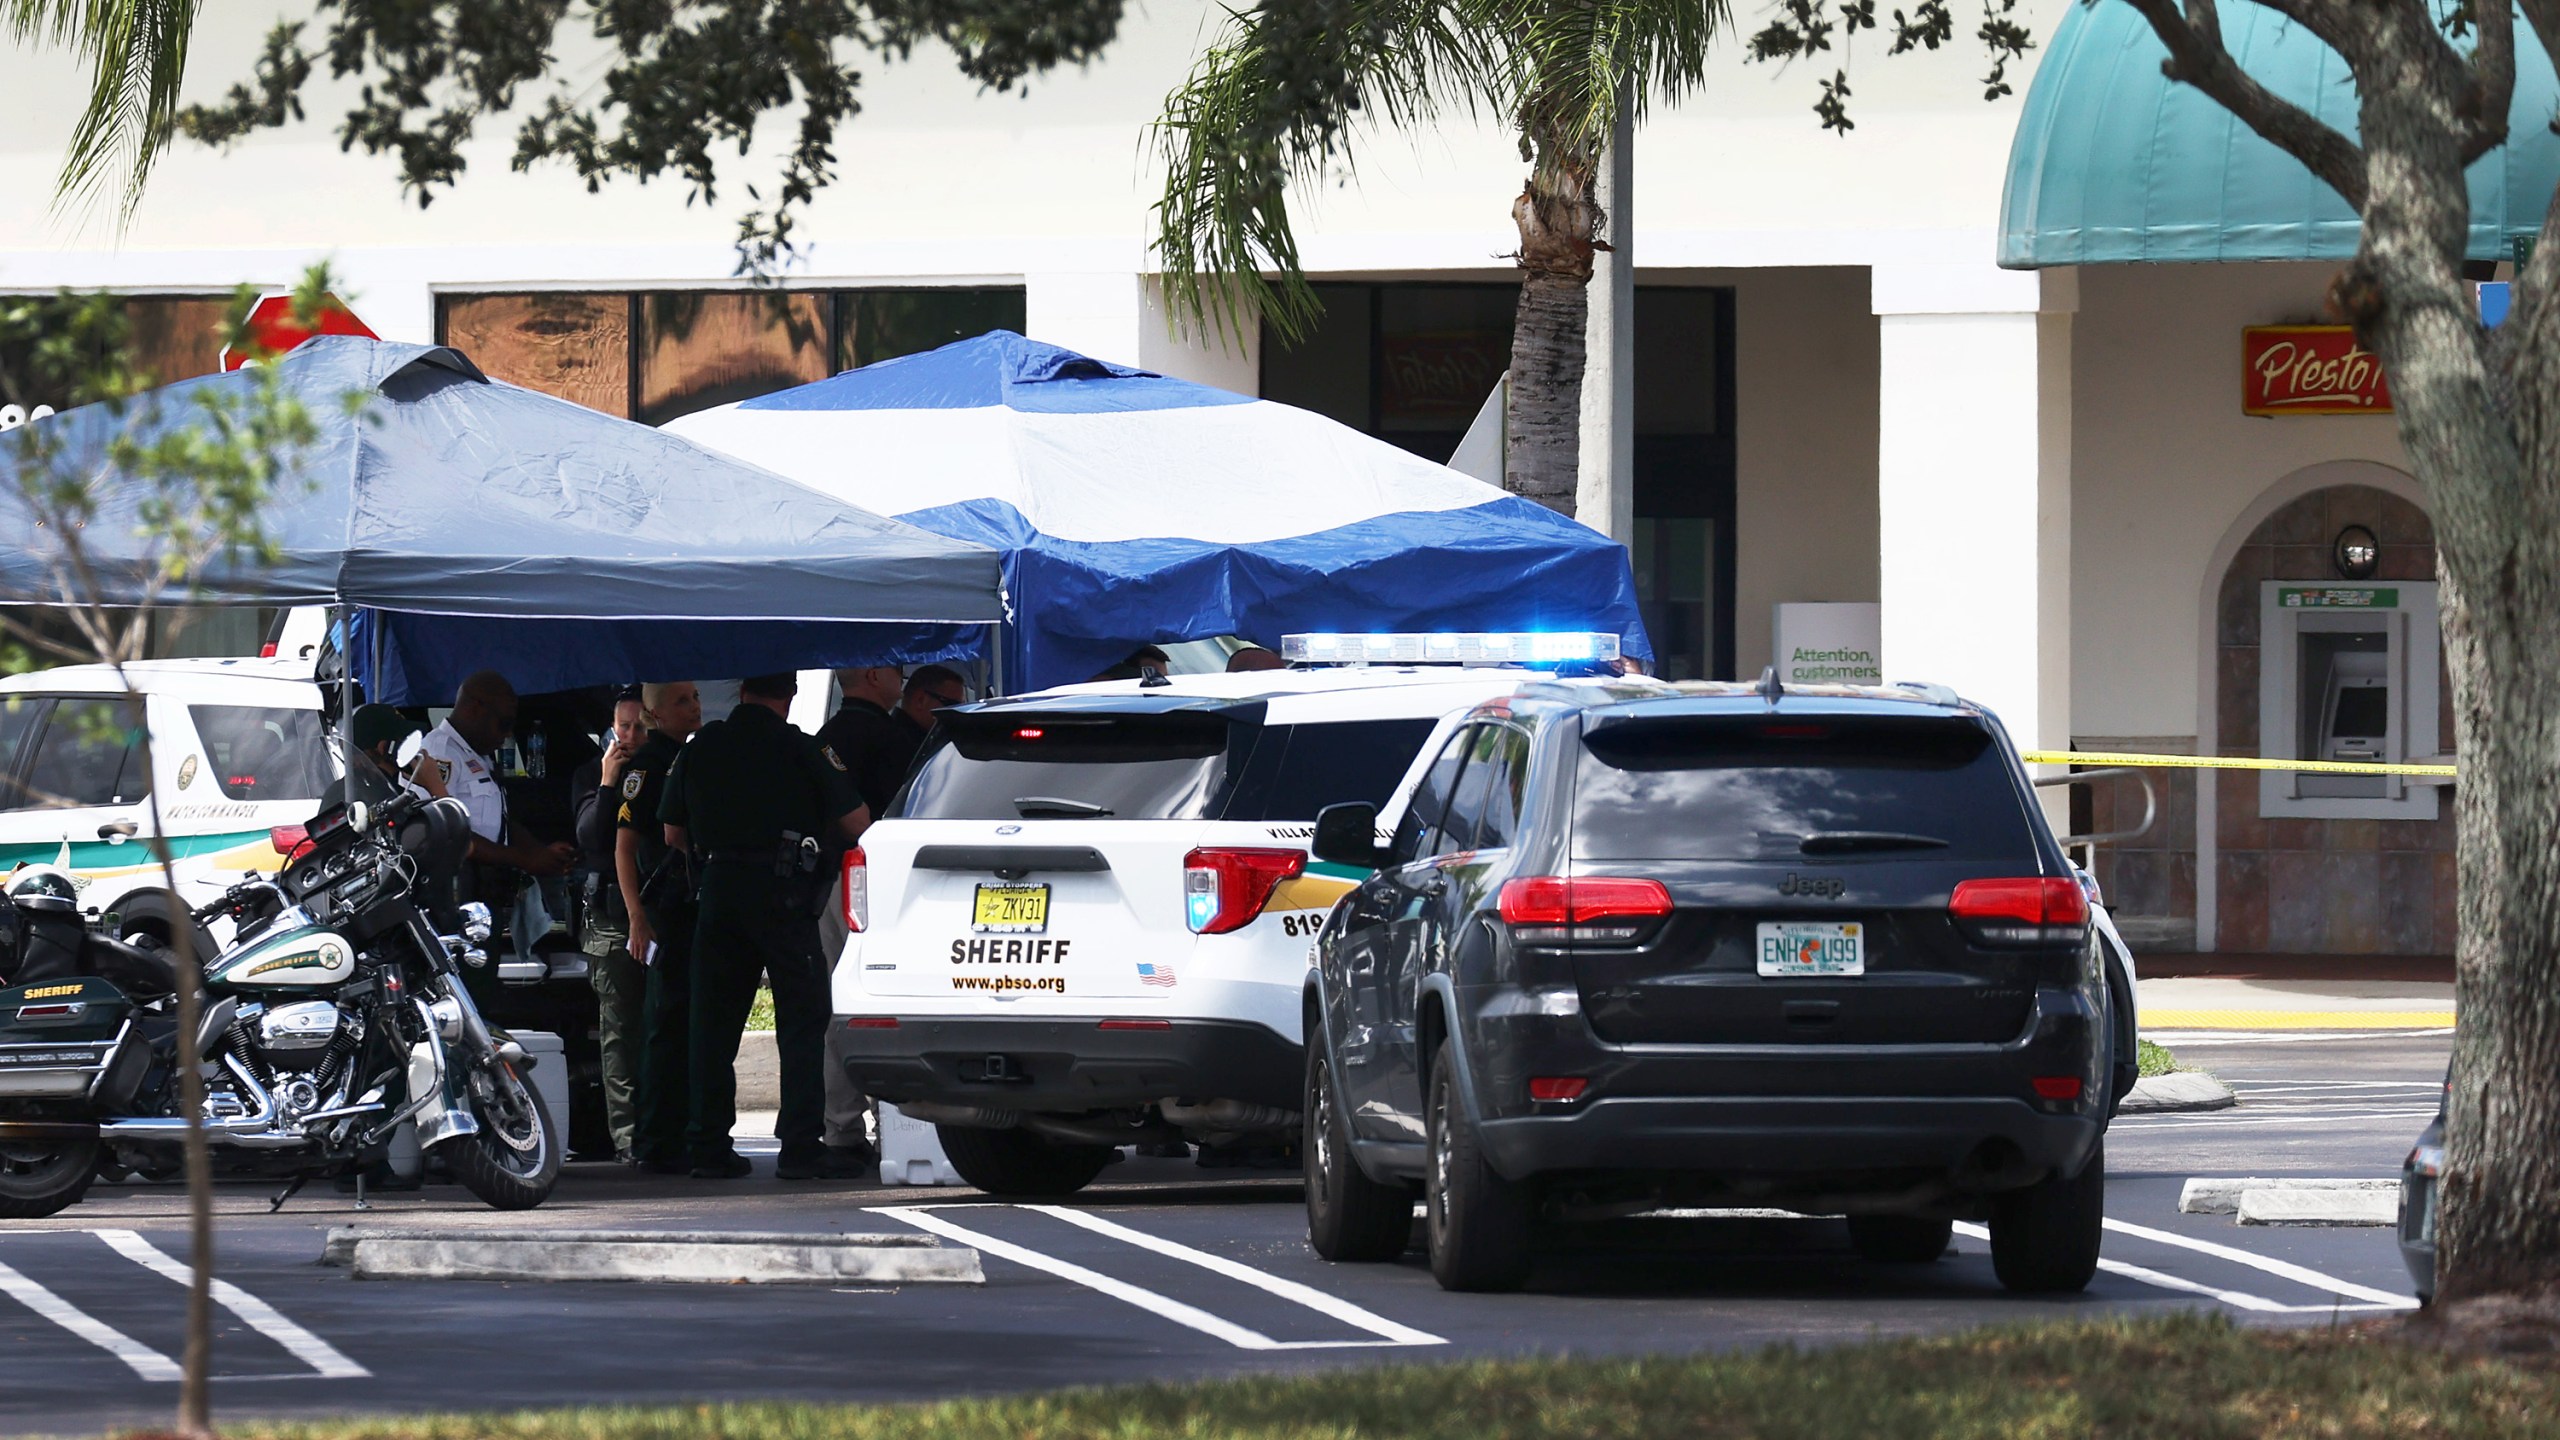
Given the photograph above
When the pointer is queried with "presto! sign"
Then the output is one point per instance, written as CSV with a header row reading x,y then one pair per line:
x,y
2309,370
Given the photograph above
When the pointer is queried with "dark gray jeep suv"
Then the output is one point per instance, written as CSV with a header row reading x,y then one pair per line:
x,y
1634,945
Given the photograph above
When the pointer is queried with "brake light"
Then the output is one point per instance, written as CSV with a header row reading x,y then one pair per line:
x,y
2039,910
857,890
1029,732
871,1022
2056,1087
1224,888
267,651
290,840
1557,1087
1590,909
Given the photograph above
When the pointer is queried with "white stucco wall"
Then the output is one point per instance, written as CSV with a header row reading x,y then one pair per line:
x,y
2164,464
1805,445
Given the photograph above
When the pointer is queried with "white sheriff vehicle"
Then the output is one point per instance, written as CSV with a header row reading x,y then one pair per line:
x,y
242,758
1087,921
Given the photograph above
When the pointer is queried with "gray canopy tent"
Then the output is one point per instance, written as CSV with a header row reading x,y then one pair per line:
x,y
459,522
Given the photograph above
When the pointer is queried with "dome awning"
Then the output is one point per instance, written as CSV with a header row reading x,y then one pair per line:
x,y
2113,163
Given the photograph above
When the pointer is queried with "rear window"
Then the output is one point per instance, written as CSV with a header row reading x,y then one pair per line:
x,y
1297,770
1032,767
1780,788
260,753
1157,767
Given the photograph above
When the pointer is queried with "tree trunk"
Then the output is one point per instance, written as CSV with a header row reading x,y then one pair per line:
x,y
1542,417
2480,418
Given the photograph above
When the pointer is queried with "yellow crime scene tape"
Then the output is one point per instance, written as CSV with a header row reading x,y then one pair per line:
x,y
2227,762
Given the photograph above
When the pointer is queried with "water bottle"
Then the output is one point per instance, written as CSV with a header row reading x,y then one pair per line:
x,y
534,764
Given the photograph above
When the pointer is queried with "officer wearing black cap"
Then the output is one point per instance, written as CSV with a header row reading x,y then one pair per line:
x,y
761,805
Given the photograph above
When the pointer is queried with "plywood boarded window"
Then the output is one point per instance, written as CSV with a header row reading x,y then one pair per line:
x,y
573,345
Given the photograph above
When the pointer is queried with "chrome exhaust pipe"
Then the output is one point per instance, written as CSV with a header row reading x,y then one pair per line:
x,y
249,1132
47,1130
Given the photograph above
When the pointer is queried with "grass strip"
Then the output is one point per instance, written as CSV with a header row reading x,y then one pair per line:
x,y
2194,1376
2155,1060
761,1016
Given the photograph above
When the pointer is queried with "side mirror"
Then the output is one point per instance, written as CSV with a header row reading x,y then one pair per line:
x,y
412,745
1347,834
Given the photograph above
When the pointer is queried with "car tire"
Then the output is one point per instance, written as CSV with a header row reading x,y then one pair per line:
x,y
1350,1217
2044,1239
1899,1239
1017,1163
1476,1221
2124,1045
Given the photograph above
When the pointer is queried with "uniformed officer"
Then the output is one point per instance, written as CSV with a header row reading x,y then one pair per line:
x,y
657,895
484,715
760,804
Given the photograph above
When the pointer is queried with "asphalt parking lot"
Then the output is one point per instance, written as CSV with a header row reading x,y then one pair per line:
x,y
1163,1272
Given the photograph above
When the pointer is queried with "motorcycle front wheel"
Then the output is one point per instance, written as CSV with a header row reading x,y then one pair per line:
x,y
40,1177
515,1159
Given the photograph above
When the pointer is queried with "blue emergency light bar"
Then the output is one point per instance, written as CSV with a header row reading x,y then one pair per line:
x,y
1451,648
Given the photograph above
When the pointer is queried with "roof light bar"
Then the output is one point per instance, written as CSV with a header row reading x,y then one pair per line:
x,y
1481,647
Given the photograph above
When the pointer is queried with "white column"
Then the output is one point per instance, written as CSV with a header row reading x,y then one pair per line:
x,y
1974,488
1605,485
1119,316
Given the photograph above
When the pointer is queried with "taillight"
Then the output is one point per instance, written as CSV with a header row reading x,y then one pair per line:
x,y
1224,888
1586,909
2056,1087
857,891
871,1022
289,840
267,651
1557,1087
2042,910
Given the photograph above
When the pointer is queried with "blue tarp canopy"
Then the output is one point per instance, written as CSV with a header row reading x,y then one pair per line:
x,y
1132,508
476,524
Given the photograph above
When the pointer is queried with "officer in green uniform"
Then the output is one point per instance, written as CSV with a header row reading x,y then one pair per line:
x,y
760,804
657,895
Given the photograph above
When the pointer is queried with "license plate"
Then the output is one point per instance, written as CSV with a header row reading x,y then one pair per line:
x,y
1011,910
1812,947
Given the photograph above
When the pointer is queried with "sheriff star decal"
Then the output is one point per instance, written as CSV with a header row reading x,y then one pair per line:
x,y
830,752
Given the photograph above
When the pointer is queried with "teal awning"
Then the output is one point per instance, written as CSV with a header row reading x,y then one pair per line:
x,y
2113,163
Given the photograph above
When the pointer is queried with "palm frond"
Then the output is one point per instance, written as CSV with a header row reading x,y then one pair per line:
x,y
1577,63
136,51
1277,102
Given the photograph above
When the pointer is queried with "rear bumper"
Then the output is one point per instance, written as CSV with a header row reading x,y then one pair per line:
x,y
1798,1141
1069,1065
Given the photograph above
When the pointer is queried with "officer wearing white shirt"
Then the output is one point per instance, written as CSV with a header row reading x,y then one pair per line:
x,y
484,715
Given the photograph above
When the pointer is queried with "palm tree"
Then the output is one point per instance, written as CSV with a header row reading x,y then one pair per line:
x,y
1283,94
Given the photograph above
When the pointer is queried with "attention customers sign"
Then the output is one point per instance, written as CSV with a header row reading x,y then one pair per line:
x,y
2309,370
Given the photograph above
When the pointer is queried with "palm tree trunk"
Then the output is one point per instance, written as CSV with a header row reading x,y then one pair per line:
x,y
1543,414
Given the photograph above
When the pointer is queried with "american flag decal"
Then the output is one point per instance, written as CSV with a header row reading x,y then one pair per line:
x,y
1154,974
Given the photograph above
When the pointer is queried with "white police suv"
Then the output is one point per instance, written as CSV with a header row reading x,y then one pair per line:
x,y
241,758
1087,920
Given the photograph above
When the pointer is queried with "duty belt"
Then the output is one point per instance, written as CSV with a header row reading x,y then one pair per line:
x,y
747,854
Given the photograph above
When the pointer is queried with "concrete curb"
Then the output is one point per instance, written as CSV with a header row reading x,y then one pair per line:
x,y
2289,1206
701,1257
2224,1195
2177,1092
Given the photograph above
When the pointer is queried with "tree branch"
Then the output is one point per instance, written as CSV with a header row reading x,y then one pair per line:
x,y
2197,57
2493,76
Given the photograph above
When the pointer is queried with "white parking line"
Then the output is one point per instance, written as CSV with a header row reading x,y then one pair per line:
x,y
1161,1306
2226,1120
2237,1299
146,1362
310,1349
2298,1274
2184,1039
1307,1295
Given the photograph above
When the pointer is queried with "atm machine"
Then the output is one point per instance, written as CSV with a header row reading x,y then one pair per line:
x,y
2346,704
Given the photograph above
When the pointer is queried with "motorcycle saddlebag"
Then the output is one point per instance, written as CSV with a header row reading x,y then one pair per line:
x,y
70,1039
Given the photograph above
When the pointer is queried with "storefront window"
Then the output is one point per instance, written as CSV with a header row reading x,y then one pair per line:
x,y
653,356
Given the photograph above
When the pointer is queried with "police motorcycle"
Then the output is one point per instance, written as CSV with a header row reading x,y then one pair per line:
x,y
336,1014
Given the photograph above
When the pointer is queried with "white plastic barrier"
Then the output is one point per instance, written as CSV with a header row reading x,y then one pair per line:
x,y
911,1152
550,1058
